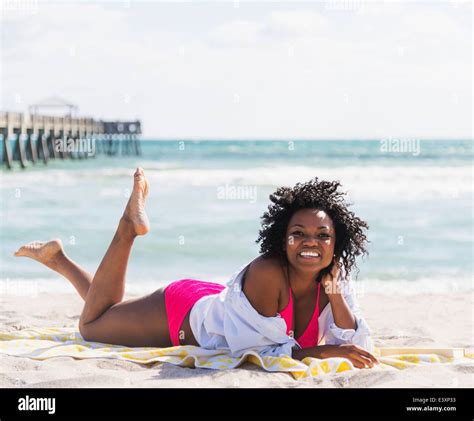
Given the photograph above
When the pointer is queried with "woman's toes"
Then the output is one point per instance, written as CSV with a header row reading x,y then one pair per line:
x,y
41,251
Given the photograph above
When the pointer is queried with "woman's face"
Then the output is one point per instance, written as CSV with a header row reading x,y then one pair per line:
x,y
310,240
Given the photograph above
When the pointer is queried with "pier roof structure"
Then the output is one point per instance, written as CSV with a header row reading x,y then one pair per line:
x,y
53,103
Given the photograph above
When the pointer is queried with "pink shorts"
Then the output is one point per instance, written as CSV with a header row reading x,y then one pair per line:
x,y
180,296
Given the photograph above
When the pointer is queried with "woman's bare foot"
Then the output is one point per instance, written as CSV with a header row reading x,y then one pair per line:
x,y
134,214
46,253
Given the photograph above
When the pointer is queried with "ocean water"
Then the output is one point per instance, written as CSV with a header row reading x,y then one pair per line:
x,y
207,197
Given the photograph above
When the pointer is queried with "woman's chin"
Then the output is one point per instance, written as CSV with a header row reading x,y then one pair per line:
x,y
308,264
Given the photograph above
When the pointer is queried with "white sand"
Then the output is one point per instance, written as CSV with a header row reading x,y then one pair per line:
x,y
417,320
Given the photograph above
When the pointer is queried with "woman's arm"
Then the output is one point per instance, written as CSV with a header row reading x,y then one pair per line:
x,y
262,286
250,311
344,323
313,352
341,311
358,356
342,314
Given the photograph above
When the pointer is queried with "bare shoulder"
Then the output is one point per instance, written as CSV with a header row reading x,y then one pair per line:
x,y
263,283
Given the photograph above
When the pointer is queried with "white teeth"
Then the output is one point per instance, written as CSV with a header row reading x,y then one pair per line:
x,y
309,253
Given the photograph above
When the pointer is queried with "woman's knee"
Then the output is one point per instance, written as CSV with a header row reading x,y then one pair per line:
x,y
90,331
85,331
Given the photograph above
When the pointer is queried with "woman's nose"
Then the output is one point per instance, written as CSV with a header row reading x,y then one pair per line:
x,y
310,239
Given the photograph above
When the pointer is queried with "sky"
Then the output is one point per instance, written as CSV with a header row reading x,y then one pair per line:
x,y
344,69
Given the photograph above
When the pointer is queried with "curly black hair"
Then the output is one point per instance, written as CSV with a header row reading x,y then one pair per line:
x,y
314,194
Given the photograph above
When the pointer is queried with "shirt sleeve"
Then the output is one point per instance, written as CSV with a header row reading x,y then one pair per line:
x,y
278,351
361,335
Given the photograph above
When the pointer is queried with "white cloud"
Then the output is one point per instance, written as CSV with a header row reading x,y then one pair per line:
x,y
297,22
236,33
299,72
288,23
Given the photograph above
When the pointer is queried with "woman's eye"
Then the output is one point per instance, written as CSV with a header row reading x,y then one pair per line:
x,y
301,234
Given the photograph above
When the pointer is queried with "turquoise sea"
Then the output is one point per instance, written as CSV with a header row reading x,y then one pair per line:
x,y
207,197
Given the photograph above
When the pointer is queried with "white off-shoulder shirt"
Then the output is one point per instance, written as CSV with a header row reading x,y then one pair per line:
x,y
228,321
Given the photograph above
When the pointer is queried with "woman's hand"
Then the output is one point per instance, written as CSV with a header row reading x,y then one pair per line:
x,y
357,355
330,281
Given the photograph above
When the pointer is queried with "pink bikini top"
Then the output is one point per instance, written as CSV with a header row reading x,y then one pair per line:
x,y
310,336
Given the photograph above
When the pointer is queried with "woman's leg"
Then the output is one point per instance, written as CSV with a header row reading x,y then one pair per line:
x,y
105,318
136,322
108,285
53,256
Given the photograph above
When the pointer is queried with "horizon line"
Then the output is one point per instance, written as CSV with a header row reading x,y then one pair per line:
x,y
360,139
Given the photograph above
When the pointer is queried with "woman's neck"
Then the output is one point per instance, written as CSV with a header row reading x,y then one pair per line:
x,y
301,282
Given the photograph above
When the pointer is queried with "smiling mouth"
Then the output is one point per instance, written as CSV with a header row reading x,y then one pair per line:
x,y
309,255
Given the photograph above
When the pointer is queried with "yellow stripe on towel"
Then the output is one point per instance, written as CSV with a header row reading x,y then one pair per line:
x,y
44,343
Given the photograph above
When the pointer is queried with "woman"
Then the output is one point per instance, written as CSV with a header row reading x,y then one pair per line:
x,y
274,305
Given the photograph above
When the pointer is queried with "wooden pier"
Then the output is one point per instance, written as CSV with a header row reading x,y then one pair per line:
x,y
29,138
